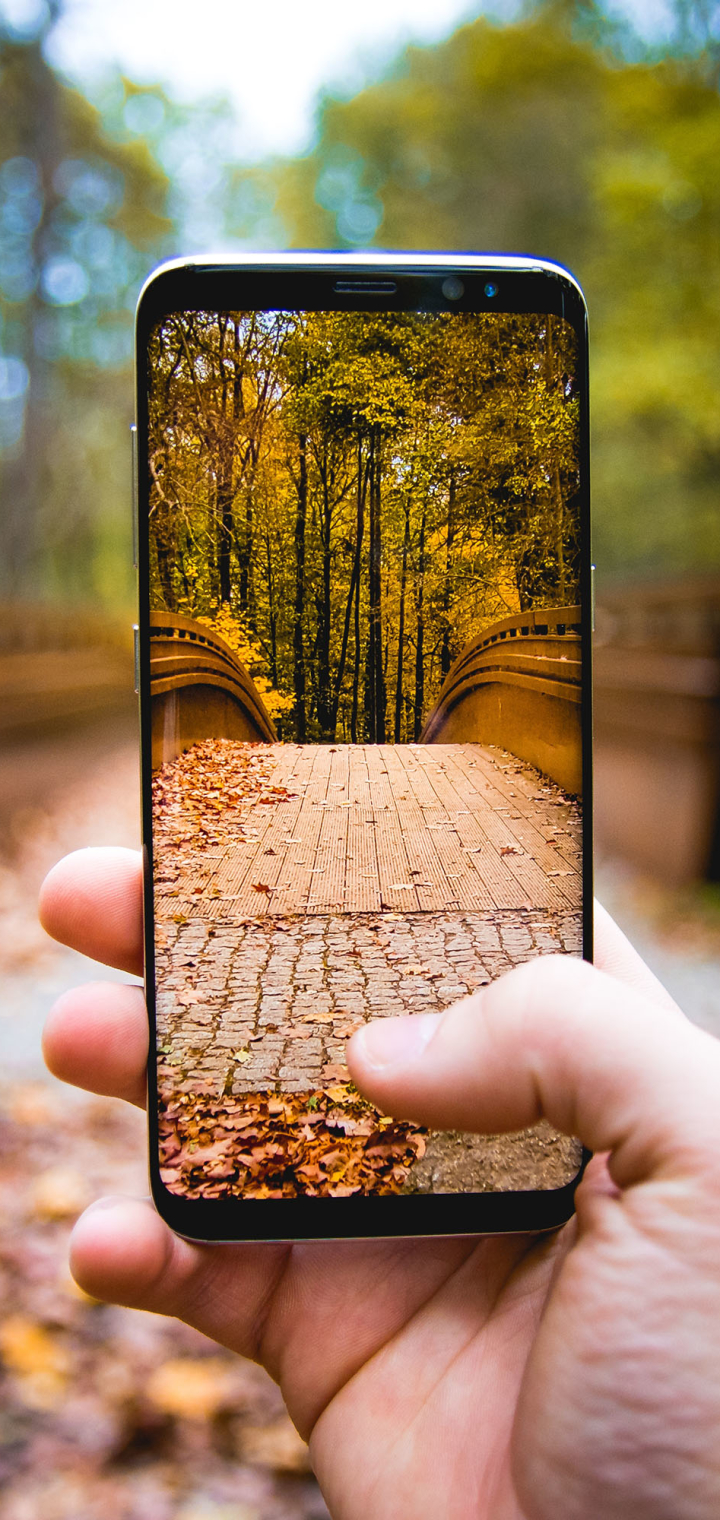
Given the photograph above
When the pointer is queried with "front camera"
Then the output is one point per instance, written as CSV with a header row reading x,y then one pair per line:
x,y
491,290
452,288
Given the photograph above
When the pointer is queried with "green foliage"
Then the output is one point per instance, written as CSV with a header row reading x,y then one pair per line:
x,y
538,137
81,217
348,499
558,134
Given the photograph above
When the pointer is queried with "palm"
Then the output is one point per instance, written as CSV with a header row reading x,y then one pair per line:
x,y
397,1345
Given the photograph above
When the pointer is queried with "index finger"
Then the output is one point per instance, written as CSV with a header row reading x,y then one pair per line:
x,y
92,901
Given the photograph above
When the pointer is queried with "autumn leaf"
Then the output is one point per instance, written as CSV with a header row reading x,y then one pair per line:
x,y
277,1446
190,1388
61,1192
37,1358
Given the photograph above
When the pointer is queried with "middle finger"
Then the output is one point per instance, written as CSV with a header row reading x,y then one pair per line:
x,y
96,1037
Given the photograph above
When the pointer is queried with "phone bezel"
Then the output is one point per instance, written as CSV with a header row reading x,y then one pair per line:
x,y
307,282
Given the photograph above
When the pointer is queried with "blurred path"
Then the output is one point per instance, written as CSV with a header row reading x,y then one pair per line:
x,y
672,934
58,793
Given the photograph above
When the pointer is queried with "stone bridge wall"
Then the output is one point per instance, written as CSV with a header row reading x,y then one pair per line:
x,y
199,689
518,685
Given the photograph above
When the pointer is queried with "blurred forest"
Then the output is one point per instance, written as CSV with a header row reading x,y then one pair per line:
x,y
559,134
349,498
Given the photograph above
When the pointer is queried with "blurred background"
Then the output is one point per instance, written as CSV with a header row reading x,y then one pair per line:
x,y
129,134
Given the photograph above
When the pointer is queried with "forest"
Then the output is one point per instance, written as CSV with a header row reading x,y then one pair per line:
x,y
348,498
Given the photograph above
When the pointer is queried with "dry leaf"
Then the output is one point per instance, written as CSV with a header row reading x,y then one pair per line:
x,y
37,1358
59,1193
277,1446
190,1388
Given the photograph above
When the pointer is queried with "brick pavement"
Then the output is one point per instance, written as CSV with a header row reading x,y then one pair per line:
x,y
271,1002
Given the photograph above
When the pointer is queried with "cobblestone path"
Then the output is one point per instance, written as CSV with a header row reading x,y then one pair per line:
x,y
254,1006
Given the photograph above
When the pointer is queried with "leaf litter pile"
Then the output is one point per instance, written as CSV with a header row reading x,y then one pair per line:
x,y
202,796
327,1143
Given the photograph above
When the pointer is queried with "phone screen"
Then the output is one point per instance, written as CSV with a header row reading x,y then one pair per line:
x,y
365,680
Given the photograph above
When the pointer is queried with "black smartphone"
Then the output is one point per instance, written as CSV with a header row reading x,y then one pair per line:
x,y
364,671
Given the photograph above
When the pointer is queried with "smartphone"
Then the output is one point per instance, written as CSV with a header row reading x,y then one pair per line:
x,y
364,672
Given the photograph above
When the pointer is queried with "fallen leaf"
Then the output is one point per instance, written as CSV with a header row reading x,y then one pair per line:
x,y
59,1193
37,1358
190,1388
277,1446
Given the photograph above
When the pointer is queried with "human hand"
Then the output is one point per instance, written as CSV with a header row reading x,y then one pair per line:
x,y
507,1378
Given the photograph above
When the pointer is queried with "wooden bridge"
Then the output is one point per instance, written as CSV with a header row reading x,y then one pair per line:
x,y
199,689
518,685
358,828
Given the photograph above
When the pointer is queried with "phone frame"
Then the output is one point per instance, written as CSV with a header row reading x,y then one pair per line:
x,y
308,281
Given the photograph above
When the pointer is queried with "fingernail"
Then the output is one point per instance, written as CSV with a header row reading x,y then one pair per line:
x,y
395,1042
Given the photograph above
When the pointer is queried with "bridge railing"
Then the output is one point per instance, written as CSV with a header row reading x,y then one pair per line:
x,y
199,689
657,726
517,685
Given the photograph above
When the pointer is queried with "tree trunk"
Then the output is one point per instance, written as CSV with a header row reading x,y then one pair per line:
x,y
226,460
272,614
420,637
298,651
356,670
559,532
446,648
401,629
352,595
375,683
324,706
557,495
40,138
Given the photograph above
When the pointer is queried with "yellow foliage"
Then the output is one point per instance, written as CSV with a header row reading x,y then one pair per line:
x,y
232,629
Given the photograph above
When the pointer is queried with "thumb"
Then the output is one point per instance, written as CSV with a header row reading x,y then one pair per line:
x,y
556,1039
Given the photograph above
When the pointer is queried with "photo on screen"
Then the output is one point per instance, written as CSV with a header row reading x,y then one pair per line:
x,y
364,539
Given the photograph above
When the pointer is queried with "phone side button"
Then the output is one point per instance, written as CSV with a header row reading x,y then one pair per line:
x,y
134,497
136,645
